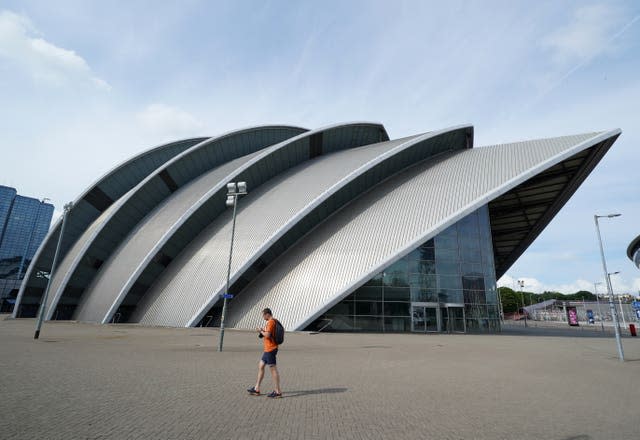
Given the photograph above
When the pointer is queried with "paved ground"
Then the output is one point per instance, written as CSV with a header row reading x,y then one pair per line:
x,y
126,382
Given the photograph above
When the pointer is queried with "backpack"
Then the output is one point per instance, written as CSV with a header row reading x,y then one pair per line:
x,y
278,336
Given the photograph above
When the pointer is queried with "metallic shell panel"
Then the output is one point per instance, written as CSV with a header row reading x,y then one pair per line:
x,y
114,280
154,189
72,258
143,240
273,162
115,183
388,222
192,284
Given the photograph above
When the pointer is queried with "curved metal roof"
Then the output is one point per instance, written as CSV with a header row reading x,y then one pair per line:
x,y
346,250
281,205
73,277
115,280
95,200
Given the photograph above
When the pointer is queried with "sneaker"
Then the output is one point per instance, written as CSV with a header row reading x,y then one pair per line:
x,y
253,391
274,395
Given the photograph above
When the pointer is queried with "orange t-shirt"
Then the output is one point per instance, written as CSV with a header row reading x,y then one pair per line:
x,y
269,343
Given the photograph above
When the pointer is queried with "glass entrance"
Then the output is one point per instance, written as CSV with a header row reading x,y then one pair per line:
x,y
424,318
432,318
418,323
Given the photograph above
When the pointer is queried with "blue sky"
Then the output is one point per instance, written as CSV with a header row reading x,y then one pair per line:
x,y
85,85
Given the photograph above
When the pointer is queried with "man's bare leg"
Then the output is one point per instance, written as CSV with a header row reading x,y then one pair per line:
x,y
260,375
276,378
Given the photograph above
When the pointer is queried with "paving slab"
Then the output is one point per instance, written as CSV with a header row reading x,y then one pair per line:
x,y
84,381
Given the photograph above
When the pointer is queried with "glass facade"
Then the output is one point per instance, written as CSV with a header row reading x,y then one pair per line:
x,y
24,222
445,285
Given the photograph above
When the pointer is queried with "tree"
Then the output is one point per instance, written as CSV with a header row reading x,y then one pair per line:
x,y
510,300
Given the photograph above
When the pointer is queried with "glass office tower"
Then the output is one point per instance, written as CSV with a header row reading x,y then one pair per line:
x,y
446,285
24,222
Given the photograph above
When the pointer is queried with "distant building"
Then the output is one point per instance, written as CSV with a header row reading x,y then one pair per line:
x,y
24,222
633,251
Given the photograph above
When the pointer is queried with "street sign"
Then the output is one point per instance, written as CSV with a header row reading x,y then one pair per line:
x,y
227,295
572,316
636,305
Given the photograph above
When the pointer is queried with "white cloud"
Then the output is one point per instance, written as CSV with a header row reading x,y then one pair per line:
x,y
22,45
587,34
165,120
619,284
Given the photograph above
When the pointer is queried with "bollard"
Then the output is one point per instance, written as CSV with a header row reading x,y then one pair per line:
x,y
632,330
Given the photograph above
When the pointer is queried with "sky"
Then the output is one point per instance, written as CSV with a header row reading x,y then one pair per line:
x,y
86,85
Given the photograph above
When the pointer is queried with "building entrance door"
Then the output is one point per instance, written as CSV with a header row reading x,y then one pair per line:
x,y
434,318
424,318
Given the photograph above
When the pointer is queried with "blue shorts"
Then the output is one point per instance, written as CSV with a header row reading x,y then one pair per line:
x,y
269,357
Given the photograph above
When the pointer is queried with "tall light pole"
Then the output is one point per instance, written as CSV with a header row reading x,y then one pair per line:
x,y
521,284
233,192
612,307
43,306
595,289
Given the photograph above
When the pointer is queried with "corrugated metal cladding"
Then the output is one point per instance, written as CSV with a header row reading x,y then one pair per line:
x,y
117,182
326,210
152,191
279,205
388,222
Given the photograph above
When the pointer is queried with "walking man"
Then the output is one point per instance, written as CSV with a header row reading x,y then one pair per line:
x,y
267,333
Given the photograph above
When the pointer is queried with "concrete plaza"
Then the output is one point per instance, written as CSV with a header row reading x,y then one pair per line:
x,y
82,381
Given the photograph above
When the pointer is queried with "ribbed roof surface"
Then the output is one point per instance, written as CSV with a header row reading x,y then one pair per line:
x,y
279,206
327,209
388,222
142,241
72,258
95,200
151,191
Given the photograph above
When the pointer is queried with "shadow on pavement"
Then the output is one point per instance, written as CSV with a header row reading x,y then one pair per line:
x,y
311,392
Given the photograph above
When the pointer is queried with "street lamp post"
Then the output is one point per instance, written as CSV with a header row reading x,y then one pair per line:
x,y
43,306
612,307
521,284
233,192
595,289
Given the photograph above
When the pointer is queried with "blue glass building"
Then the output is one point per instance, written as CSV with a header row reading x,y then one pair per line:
x,y
24,223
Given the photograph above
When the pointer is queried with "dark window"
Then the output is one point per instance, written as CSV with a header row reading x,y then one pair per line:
x,y
98,199
315,145
168,180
